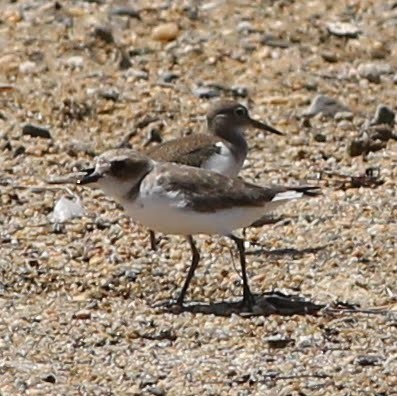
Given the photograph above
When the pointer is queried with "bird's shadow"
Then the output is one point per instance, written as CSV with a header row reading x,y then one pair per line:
x,y
285,251
271,303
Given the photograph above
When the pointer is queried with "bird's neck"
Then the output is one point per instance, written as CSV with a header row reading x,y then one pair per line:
x,y
235,137
126,188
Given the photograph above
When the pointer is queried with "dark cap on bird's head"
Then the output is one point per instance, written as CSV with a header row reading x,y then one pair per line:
x,y
231,115
121,164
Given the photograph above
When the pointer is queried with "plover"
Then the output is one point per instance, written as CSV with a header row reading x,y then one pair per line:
x,y
223,148
178,199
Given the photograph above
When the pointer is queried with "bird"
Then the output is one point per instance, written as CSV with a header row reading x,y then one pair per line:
x,y
183,200
223,148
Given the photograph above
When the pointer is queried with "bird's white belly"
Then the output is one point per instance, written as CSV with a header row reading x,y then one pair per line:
x,y
159,214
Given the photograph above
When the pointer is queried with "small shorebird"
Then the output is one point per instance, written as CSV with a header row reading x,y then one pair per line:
x,y
178,199
221,149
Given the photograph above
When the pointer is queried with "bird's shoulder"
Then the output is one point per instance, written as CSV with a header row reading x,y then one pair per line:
x,y
192,150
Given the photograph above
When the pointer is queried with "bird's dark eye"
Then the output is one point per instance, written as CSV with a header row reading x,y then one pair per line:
x,y
117,166
240,111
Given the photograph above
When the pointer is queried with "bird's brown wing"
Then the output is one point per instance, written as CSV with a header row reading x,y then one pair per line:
x,y
206,191
191,150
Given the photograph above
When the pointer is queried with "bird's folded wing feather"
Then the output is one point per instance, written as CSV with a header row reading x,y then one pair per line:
x,y
190,150
206,191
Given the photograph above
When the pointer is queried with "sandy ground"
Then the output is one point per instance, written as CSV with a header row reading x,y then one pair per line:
x,y
78,300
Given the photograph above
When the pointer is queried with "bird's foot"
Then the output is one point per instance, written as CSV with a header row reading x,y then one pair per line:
x,y
248,302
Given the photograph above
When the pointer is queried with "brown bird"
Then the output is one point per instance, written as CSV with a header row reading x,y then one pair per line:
x,y
222,149
178,199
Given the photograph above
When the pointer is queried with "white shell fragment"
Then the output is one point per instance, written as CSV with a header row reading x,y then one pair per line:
x,y
66,209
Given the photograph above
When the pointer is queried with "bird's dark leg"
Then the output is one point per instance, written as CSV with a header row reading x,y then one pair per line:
x,y
248,297
153,244
193,266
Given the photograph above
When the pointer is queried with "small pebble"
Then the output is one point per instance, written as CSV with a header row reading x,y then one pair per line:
x,y
6,146
83,314
165,32
319,137
311,85
131,275
9,63
156,391
77,11
125,62
102,224
139,52
36,131
384,115
306,342
12,16
343,29
37,56
76,62
344,125
329,56
205,92
6,88
148,380
369,360
19,151
50,378
379,50
373,71
126,11
192,12
275,42
109,94
325,105
168,77
104,33
245,27
27,67
383,132
344,115
139,74
364,146
278,341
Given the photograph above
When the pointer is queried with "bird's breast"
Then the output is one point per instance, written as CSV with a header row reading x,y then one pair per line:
x,y
225,162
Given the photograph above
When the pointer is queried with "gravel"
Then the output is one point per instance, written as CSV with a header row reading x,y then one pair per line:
x,y
81,306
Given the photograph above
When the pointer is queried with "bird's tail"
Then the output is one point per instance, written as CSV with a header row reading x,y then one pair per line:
x,y
297,193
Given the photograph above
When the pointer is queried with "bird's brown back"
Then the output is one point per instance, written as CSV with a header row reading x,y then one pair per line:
x,y
190,150
206,191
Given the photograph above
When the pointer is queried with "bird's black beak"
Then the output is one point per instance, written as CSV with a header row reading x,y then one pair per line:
x,y
89,177
263,127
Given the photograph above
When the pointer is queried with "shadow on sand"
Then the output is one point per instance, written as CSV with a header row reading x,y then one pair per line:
x,y
271,303
286,251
